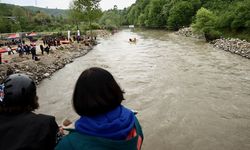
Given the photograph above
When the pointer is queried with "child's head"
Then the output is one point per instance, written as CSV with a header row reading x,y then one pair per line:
x,y
96,92
18,94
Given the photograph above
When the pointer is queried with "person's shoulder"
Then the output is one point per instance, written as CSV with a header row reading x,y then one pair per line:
x,y
41,118
46,118
65,142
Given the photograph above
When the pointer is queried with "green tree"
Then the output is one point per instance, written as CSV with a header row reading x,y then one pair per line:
x,y
111,19
133,14
155,14
4,25
241,19
205,23
42,19
75,16
90,9
180,15
18,12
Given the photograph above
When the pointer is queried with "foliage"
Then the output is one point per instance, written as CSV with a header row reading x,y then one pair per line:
x,y
51,12
19,19
90,9
111,18
241,19
180,15
205,23
224,15
95,26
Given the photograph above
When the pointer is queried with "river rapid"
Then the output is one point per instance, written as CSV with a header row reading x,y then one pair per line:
x,y
189,95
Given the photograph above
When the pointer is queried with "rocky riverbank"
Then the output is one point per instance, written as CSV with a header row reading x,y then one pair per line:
x,y
188,32
236,46
47,65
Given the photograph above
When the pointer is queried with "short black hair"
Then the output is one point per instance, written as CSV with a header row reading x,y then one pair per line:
x,y
96,92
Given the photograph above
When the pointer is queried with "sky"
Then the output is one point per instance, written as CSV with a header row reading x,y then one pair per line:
x,y
64,4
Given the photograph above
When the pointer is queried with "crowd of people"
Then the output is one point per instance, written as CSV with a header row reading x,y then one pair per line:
x,y
47,41
30,49
103,124
25,49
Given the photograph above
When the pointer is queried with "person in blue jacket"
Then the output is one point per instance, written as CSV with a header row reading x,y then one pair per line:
x,y
104,123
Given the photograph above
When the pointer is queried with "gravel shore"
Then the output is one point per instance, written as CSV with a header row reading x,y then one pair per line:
x,y
236,46
47,64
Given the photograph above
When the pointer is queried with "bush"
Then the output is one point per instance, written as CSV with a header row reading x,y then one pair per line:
x,y
212,35
95,26
205,23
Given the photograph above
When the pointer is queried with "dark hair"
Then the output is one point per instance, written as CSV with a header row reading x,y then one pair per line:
x,y
19,94
96,92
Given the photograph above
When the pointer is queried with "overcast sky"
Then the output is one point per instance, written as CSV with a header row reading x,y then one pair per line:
x,y
64,4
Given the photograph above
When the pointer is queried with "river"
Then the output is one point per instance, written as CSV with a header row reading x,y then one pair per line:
x,y
189,95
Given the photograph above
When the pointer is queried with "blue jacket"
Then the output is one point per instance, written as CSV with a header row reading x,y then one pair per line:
x,y
79,141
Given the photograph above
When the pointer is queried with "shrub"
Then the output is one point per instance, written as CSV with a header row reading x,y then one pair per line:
x,y
205,23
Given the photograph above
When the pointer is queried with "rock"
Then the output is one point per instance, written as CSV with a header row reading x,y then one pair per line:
x,y
237,46
46,75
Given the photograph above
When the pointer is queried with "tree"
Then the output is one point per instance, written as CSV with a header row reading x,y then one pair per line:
x,y
241,19
75,16
180,15
111,19
4,25
90,9
155,15
206,23
42,18
18,12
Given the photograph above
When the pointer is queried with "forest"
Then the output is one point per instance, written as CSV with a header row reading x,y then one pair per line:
x,y
213,18
26,19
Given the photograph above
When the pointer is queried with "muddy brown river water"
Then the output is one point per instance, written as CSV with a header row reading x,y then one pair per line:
x,y
189,95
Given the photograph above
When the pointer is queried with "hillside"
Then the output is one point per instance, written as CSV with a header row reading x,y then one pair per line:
x,y
6,10
54,12
15,18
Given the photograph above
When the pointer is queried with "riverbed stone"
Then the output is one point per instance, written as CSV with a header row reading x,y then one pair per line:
x,y
233,45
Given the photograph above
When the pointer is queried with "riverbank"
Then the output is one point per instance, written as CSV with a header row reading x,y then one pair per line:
x,y
47,64
233,45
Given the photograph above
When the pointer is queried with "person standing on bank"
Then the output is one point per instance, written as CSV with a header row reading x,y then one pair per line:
x,y
20,128
41,48
33,52
0,58
104,123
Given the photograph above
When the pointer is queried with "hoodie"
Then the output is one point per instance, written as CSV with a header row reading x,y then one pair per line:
x,y
118,129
